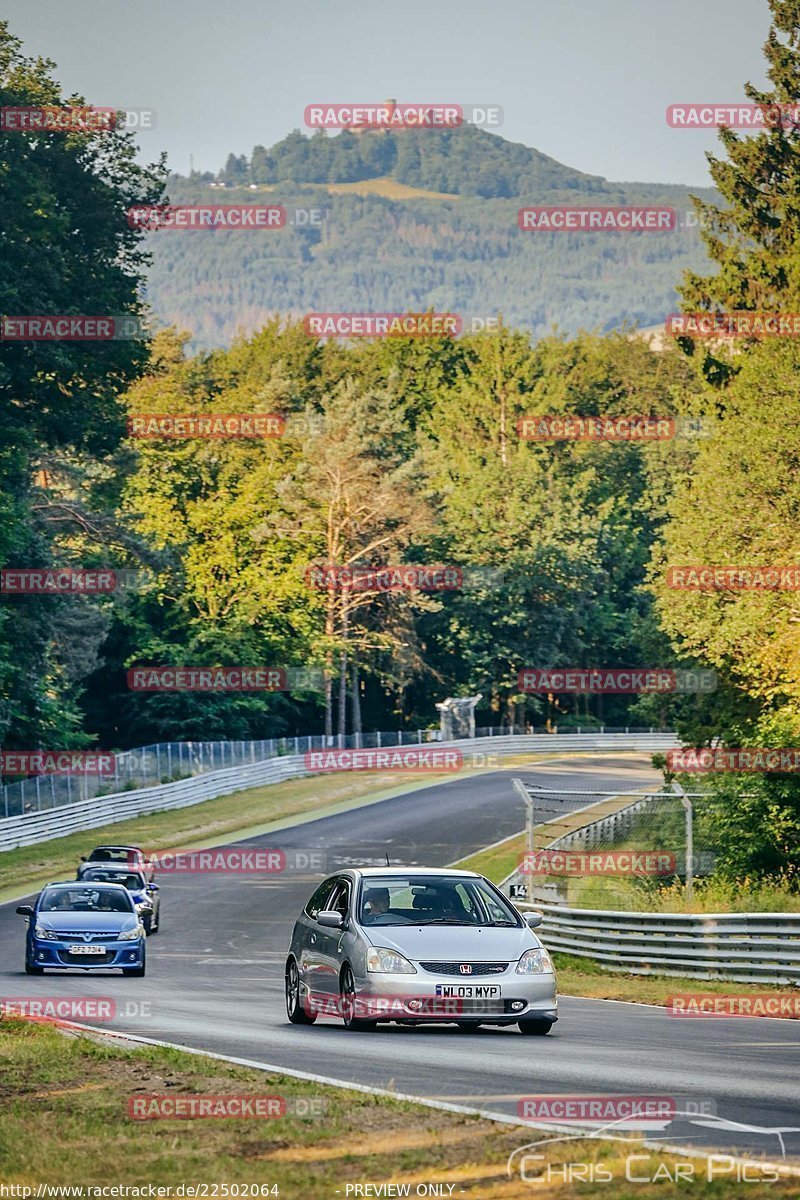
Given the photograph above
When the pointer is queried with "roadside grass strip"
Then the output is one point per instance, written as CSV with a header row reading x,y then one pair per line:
x,y
58,1130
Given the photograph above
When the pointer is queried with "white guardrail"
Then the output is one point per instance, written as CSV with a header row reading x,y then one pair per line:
x,y
744,947
741,947
31,828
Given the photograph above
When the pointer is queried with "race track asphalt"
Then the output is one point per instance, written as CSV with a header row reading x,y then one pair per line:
x,y
215,982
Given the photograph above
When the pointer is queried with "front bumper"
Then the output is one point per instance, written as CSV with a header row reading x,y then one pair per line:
x,y
57,954
429,997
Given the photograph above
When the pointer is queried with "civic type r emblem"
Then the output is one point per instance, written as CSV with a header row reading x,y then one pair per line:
x,y
465,968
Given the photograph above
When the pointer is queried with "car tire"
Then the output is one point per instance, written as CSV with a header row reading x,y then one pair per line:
x,y
347,991
30,969
535,1027
148,924
155,928
294,1009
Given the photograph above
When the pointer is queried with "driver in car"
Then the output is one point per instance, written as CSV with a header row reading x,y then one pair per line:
x,y
376,902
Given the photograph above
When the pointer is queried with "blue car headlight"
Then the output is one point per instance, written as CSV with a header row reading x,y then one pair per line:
x,y
129,935
46,935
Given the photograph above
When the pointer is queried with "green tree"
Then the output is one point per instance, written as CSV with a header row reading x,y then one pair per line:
x,y
68,249
753,240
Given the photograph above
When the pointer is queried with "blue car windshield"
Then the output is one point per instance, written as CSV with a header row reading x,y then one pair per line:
x,y
86,900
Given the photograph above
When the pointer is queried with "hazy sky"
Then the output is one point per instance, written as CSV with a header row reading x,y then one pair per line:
x,y
586,81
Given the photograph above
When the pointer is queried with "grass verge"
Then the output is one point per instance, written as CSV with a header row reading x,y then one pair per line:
x,y
66,1123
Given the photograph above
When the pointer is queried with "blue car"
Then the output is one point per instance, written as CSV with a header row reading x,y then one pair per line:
x,y
83,926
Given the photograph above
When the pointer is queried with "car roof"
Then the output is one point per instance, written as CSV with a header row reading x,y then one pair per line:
x,y
112,869
113,846
402,872
81,883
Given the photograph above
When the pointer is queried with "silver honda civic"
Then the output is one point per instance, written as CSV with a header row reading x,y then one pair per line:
x,y
416,945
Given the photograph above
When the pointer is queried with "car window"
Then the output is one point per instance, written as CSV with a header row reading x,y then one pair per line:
x,y
132,880
319,899
339,899
85,899
432,899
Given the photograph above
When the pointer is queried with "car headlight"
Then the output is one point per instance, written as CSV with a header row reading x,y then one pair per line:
x,y
389,962
147,905
128,935
535,962
46,935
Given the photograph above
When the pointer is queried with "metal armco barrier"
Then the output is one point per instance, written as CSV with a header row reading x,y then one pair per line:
x,y
742,947
32,828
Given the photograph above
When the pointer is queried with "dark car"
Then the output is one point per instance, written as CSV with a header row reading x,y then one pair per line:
x,y
83,926
145,895
132,857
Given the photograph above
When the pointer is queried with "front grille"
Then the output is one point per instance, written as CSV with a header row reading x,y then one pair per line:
x,y
78,936
454,968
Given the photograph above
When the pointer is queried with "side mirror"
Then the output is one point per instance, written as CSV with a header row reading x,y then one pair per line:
x,y
83,858
330,919
25,910
533,919
152,887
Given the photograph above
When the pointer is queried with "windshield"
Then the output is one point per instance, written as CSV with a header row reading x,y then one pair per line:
x,y
87,900
112,854
433,900
132,880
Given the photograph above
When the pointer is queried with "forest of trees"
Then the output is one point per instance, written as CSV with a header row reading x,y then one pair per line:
x,y
374,252
396,451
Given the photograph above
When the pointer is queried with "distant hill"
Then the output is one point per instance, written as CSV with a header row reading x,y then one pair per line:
x,y
416,219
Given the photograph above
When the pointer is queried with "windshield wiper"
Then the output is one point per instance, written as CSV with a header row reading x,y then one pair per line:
x,y
447,921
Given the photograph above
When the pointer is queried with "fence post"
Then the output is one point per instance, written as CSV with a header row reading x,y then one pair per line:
x,y
522,791
687,807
